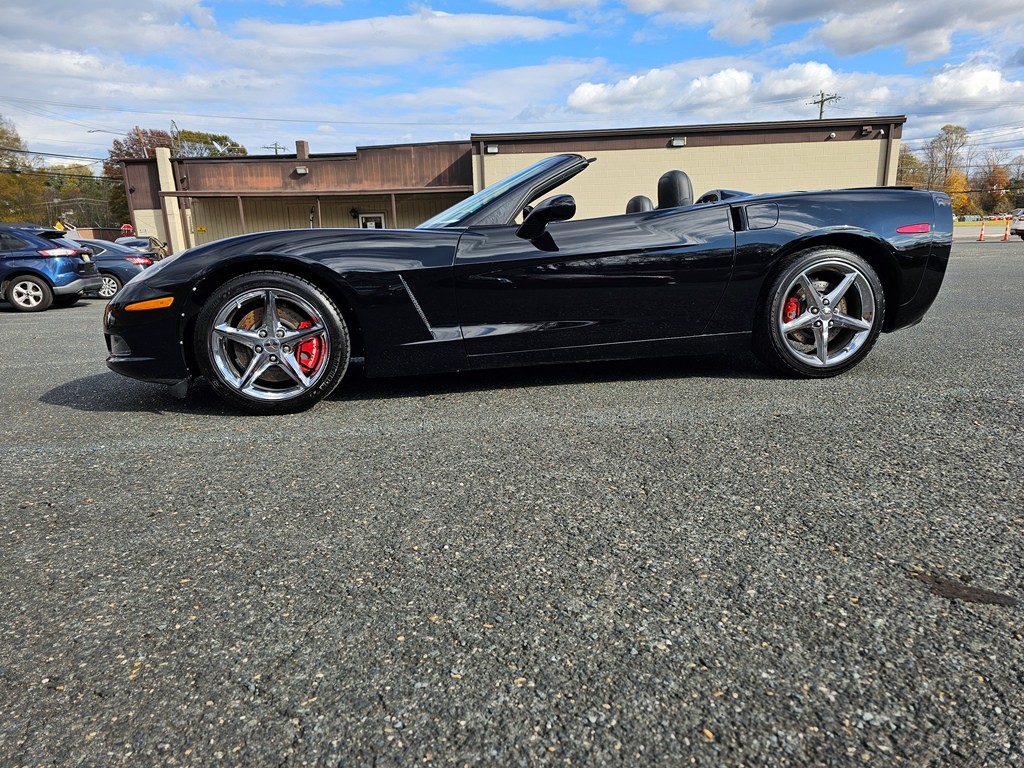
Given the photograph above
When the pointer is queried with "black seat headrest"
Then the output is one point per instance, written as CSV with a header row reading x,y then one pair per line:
x,y
674,190
639,204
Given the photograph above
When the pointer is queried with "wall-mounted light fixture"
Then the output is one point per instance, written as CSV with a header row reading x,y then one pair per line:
x,y
301,170
832,135
354,213
491,149
881,132
866,130
677,141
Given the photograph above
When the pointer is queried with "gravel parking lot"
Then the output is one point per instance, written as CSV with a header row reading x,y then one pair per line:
x,y
672,562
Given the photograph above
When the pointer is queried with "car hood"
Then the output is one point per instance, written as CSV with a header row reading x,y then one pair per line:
x,y
366,250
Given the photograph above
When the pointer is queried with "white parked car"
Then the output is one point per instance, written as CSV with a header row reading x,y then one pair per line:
x,y
1017,223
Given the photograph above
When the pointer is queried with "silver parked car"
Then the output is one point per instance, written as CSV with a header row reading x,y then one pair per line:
x,y
1017,223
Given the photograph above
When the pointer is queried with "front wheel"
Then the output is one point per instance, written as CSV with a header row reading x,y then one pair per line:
x,y
821,315
270,342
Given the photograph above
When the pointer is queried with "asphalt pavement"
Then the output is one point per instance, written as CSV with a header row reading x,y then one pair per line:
x,y
671,562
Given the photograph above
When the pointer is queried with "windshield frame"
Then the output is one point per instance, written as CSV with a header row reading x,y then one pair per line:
x,y
502,201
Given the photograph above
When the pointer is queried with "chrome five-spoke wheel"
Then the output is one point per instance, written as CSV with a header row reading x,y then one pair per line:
x,y
823,314
272,343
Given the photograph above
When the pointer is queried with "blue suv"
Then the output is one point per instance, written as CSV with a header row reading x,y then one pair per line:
x,y
39,267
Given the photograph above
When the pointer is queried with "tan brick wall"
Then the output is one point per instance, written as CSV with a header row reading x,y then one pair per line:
x,y
150,223
604,188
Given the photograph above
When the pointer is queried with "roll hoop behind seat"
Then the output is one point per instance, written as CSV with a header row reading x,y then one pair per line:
x,y
674,190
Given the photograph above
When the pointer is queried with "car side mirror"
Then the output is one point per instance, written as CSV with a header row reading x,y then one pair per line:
x,y
557,208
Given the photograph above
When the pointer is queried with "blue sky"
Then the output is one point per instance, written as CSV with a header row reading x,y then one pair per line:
x,y
347,73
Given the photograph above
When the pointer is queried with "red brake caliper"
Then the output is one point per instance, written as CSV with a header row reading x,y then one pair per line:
x,y
791,309
309,351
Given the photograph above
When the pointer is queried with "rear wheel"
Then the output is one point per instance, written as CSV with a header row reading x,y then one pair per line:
x,y
822,314
111,285
27,293
270,342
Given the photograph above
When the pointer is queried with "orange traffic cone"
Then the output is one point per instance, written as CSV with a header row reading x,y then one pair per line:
x,y
982,235
1006,232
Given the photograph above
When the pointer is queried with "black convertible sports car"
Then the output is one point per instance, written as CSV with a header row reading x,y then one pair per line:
x,y
272,320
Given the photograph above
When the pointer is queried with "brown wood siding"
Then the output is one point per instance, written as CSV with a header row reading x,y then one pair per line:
x,y
143,183
371,169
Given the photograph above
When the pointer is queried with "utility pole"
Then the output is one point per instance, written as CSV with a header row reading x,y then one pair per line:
x,y
275,146
145,149
822,100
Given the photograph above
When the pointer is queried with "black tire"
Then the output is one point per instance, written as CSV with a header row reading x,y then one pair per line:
x,y
28,293
111,286
270,342
66,300
821,315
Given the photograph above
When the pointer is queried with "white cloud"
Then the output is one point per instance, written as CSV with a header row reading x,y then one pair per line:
x,y
652,86
717,91
378,41
924,30
798,79
973,82
511,89
546,5
976,94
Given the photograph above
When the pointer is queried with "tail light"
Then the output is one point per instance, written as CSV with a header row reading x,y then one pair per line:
x,y
60,252
142,261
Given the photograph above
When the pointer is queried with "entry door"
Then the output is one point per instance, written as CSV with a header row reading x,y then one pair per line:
x,y
646,276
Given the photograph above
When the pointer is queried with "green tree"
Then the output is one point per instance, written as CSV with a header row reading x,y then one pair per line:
x,y
74,196
990,188
200,144
1015,168
67,181
140,142
21,178
945,153
1015,193
958,189
911,170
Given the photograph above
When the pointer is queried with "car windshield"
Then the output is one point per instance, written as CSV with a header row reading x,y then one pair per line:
x,y
485,196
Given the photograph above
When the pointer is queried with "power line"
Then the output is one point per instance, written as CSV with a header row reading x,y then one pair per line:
x,y
52,154
822,100
100,108
19,172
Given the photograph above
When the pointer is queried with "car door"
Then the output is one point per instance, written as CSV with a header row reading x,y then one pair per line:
x,y
8,248
608,281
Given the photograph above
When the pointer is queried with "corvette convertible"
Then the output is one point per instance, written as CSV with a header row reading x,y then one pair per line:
x,y
274,320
